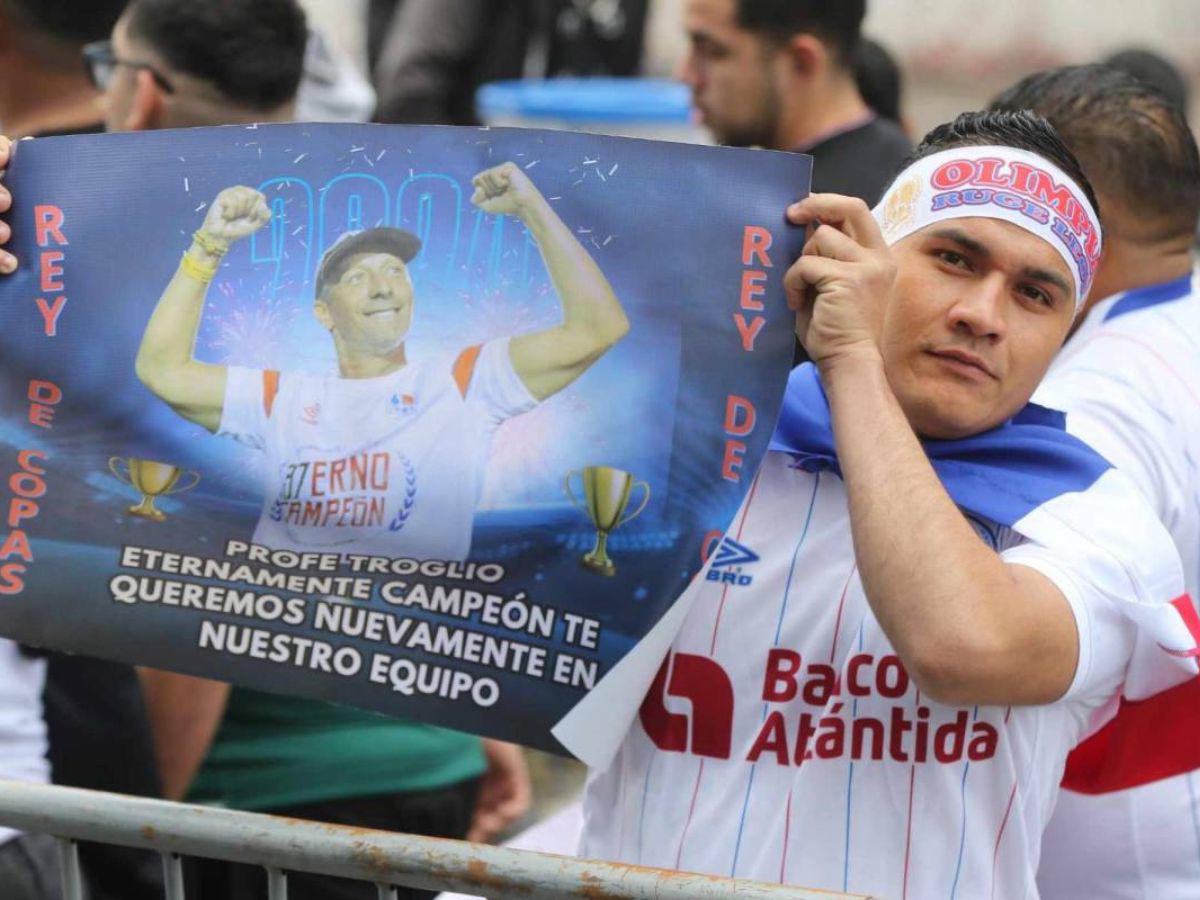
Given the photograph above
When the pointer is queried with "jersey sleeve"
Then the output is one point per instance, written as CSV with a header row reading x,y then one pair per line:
x,y
485,374
249,400
1106,636
1117,566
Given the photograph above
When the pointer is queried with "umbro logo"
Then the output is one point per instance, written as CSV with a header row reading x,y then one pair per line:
x,y
310,414
731,553
727,564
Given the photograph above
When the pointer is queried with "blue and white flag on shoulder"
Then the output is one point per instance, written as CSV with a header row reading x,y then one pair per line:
x,y
1030,475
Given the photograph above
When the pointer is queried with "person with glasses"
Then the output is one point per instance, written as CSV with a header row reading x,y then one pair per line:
x,y
100,62
173,64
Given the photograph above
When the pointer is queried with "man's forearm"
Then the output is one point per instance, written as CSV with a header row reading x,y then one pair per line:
x,y
170,335
184,713
165,362
955,612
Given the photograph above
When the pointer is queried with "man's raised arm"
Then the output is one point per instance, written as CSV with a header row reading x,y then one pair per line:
x,y
165,363
593,320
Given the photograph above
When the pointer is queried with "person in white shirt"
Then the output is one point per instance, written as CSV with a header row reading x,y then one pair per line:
x,y
942,592
1129,382
387,456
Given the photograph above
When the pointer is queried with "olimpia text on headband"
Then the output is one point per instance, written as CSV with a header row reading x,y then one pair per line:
x,y
1003,183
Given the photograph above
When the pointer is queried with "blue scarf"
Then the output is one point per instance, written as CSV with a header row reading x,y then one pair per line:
x,y
1001,474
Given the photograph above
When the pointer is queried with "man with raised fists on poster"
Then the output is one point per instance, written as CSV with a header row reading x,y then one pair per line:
x,y
388,456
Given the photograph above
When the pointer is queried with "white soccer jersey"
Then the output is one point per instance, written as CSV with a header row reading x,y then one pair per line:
x,y
391,466
22,724
784,741
1129,382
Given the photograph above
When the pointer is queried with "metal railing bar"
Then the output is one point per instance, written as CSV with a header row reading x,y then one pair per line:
x,y
173,876
376,857
276,884
68,867
387,892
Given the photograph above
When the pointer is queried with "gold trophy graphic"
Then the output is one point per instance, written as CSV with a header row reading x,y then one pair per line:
x,y
605,496
152,479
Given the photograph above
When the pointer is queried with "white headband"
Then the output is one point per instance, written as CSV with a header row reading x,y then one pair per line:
x,y
997,183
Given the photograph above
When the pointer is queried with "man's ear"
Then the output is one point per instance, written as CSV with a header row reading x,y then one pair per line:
x,y
321,311
807,55
148,108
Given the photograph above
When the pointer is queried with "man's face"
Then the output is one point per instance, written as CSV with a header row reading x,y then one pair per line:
x,y
369,308
733,74
979,309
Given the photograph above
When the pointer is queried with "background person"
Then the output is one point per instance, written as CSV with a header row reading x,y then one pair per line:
x,y
171,64
1155,70
780,74
437,53
1128,380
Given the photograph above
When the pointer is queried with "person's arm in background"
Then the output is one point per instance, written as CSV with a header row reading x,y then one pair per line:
x,y
185,713
428,47
505,791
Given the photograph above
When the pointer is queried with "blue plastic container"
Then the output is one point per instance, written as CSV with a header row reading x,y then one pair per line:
x,y
633,107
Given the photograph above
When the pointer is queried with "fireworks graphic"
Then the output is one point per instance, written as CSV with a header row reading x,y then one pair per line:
x,y
250,328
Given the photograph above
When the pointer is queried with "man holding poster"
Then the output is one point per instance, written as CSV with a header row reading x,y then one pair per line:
x,y
949,592
386,458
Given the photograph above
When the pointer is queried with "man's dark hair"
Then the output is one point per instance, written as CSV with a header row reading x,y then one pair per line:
x,y
252,51
1020,128
836,22
1131,138
879,79
66,23
1150,67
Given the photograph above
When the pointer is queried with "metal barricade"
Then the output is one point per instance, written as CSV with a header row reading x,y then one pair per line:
x,y
383,858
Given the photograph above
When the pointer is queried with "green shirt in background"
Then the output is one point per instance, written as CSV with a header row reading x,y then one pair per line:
x,y
273,752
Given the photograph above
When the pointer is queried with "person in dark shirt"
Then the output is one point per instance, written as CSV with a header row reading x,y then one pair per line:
x,y
436,54
779,74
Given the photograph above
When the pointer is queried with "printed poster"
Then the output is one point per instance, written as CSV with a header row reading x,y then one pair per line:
x,y
439,422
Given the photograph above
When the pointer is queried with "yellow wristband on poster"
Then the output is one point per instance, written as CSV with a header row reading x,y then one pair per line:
x,y
197,270
211,245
